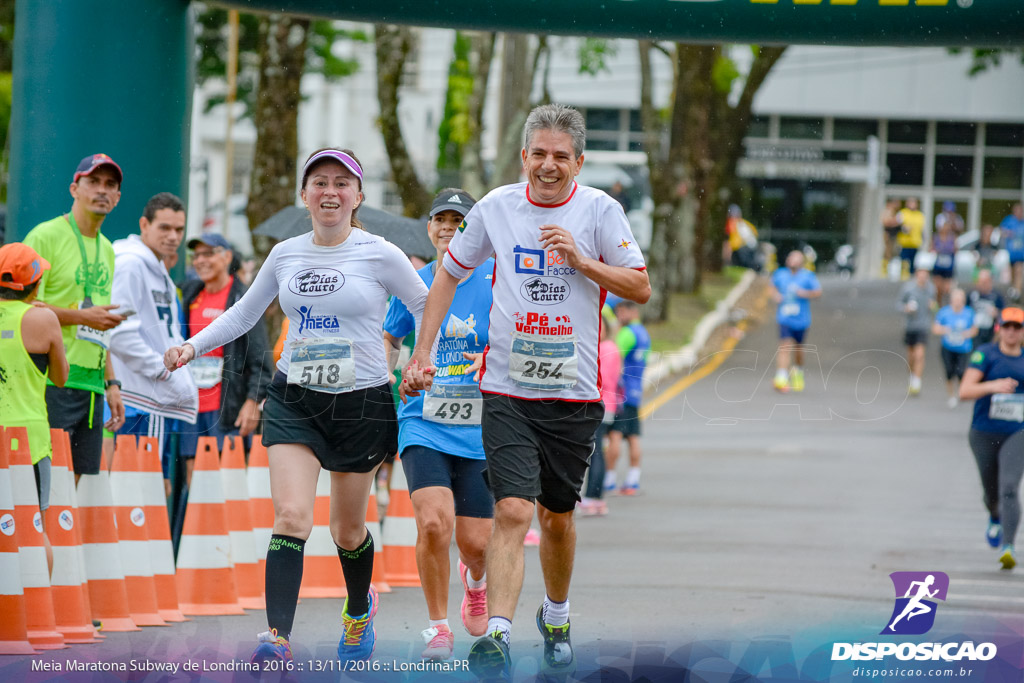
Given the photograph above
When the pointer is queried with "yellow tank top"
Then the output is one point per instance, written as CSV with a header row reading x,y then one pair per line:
x,y
22,386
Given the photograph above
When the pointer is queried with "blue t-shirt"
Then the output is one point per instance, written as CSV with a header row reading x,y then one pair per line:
x,y
794,312
634,344
958,323
1012,234
994,364
464,329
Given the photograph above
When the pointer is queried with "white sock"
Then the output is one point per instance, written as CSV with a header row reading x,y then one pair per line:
x,y
609,480
502,626
781,375
555,613
633,476
439,622
475,583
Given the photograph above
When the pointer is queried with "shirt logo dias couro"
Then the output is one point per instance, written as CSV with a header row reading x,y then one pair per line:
x,y
316,282
545,291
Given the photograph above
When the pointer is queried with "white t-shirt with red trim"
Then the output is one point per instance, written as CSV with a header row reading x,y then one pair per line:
x,y
544,322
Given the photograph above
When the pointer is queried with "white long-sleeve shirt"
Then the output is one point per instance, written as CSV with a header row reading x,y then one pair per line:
x,y
339,291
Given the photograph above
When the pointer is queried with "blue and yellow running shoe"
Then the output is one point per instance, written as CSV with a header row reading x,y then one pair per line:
x,y
358,636
270,647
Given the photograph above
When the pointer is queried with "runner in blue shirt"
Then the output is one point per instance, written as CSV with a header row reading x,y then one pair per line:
x,y
955,323
1011,237
995,381
792,288
440,442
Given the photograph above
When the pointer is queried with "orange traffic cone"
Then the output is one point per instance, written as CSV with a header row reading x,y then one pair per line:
x,y
400,533
243,552
161,551
13,631
35,574
321,569
108,595
206,579
373,526
261,506
133,540
70,610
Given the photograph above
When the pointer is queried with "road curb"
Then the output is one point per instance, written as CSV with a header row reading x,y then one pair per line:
x,y
661,365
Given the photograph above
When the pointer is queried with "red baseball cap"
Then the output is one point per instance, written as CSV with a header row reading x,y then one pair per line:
x,y
94,161
20,266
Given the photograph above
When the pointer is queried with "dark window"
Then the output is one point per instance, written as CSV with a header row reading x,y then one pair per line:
x,y
905,169
1004,135
758,127
603,119
801,128
599,144
636,121
1003,173
953,171
955,134
908,131
636,146
853,129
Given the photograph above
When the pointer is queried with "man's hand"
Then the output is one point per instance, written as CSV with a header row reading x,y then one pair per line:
x,y
476,364
248,417
178,356
100,317
558,238
417,376
116,421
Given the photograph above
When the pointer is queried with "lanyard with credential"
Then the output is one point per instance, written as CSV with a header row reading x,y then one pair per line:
x,y
70,218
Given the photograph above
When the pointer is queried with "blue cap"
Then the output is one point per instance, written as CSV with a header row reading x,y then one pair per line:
x,y
210,239
948,206
611,301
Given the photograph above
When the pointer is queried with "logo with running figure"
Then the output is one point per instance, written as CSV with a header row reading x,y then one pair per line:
x,y
308,321
916,592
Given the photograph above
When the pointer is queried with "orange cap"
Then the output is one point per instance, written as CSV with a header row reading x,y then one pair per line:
x,y
1011,315
20,266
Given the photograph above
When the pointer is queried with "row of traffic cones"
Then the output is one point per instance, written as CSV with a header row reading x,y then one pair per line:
x,y
113,559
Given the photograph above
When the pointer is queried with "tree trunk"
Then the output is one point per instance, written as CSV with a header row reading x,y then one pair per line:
x,y
519,69
474,180
392,47
272,186
282,61
661,193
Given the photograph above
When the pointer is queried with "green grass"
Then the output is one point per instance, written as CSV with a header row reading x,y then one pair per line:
x,y
686,310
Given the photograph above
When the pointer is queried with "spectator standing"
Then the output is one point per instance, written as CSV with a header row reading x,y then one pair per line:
x,y
610,361
634,344
77,289
1011,237
911,236
891,226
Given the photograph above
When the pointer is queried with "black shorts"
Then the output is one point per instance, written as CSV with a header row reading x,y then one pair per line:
x,y
79,412
425,467
347,432
539,450
912,338
954,362
627,421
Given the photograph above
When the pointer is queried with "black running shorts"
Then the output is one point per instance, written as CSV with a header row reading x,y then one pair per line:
x,y
627,421
349,432
79,412
539,450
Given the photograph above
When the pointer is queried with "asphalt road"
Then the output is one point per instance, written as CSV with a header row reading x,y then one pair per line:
x,y
764,518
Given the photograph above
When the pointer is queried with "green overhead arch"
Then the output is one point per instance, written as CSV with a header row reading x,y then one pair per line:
x,y
115,76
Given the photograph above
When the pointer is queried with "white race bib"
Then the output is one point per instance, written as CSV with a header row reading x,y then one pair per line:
x,y
543,362
790,310
207,371
453,404
1008,407
85,333
323,364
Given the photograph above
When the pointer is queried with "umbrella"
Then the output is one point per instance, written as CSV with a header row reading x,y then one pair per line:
x,y
408,234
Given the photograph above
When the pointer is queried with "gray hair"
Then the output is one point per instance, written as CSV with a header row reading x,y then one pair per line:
x,y
560,118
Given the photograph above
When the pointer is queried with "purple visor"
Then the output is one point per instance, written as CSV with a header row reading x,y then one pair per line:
x,y
345,160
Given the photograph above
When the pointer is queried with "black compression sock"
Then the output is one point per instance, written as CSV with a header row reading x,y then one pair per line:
x,y
284,575
357,565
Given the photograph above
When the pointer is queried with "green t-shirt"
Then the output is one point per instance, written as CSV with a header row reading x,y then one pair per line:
x,y
64,286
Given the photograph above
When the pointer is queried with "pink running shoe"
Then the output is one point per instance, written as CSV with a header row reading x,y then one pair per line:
x,y
532,537
440,642
474,605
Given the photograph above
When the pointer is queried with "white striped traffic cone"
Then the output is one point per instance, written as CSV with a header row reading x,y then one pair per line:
x,y
13,631
321,569
400,533
243,551
161,550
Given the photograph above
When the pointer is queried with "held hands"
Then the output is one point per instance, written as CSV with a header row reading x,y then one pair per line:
x,y
559,239
100,317
178,356
417,376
